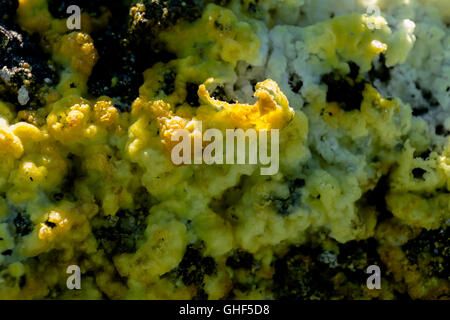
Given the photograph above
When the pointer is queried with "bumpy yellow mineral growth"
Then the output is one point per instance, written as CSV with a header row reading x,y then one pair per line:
x,y
88,117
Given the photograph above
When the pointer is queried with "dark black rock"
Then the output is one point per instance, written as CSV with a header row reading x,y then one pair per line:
x,y
430,251
24,67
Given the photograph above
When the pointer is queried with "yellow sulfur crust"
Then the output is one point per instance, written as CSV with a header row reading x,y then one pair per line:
x,y
119,154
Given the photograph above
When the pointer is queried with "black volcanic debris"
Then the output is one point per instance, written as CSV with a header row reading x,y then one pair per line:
x,y
418,173
430,252
7,252
67,189
164,13
380,71
123,48
354,70
58,8
20,226
355,256
345,90
23,224
377,198
95,8
222,3
300,275
8,10
189,10
169,82
441,131
240,259
148,17
24,68
219,93
430,101
193,268
419,111
117,73
295,82
309,272
192,94
252,7
121,233
424,155
286,206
